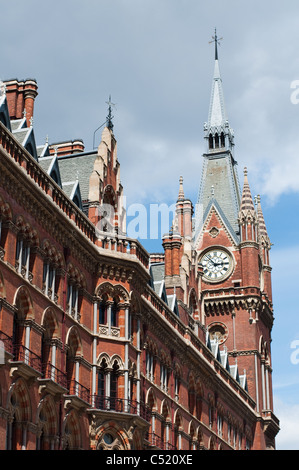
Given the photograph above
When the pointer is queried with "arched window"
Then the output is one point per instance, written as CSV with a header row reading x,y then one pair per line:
x,y
177,384
108,313
76,283
222,139
164,376
21,331
216,141
23,256
114,386
178,432
107,390
165,426
19,409
114,314
103,312
72,432
150,362
27,238
53,264
73,361
211,142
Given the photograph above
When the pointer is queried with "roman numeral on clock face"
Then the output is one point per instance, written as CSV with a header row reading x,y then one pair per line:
x,y
216,264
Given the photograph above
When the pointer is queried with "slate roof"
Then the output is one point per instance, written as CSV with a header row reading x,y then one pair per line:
x,y
157,282
220,182
78,166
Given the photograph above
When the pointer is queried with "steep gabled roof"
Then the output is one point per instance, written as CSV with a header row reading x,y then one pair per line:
x,y
213,205
78,166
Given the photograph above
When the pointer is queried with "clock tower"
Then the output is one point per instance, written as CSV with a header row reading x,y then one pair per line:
x,y
232,249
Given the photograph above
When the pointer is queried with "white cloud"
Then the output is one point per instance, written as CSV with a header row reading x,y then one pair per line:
x,y
288,436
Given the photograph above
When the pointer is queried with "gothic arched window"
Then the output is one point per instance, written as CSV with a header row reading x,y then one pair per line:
x,y
222,139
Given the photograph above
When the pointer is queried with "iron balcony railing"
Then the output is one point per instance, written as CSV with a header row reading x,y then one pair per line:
x,y
25,355
121,405
6,342
159,442
77,389
53,373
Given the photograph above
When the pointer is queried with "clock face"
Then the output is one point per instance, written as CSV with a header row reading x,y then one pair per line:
x,y
216,264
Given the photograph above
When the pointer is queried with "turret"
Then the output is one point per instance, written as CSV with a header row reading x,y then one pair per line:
x,y
265,246
248,232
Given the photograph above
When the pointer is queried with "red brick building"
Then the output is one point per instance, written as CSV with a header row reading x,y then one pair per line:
x,y
105,346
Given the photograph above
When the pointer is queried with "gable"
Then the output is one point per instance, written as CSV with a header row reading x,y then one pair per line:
x,y
215,228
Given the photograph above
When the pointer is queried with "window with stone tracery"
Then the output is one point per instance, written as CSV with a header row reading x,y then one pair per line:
x,y
150,361
27,238
108,314
107,391
23,256
110,441
75,285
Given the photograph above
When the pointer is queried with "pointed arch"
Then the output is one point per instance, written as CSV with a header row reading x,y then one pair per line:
x,y
50,323
111,291
151,399
47,423
165,410
104,360
135,302
71,431
23,303
73,340
212,443
222,139
117,362
73,356
51,332
178,420
18,400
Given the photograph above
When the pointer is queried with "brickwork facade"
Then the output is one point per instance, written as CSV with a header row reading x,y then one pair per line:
x,y
104,346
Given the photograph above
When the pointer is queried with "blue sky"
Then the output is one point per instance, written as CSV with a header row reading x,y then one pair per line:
x,y
154,58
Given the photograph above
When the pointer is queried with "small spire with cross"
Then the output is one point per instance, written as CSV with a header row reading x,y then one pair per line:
x,y
217,42
110,117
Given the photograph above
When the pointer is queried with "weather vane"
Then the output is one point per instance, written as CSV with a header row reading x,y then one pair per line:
x,y
217,42
110,117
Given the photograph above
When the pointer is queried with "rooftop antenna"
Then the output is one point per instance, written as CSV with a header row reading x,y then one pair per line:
x,y
217,42
108,121
110,117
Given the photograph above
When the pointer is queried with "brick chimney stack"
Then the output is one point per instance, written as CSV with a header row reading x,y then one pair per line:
x,y
20,97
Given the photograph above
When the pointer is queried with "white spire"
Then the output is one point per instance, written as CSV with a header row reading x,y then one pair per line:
x,y
217,131
217,113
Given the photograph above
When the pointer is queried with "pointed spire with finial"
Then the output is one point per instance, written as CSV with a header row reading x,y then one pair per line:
x,y
247,214
181,195
217,42
261,221
246,201
218,133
